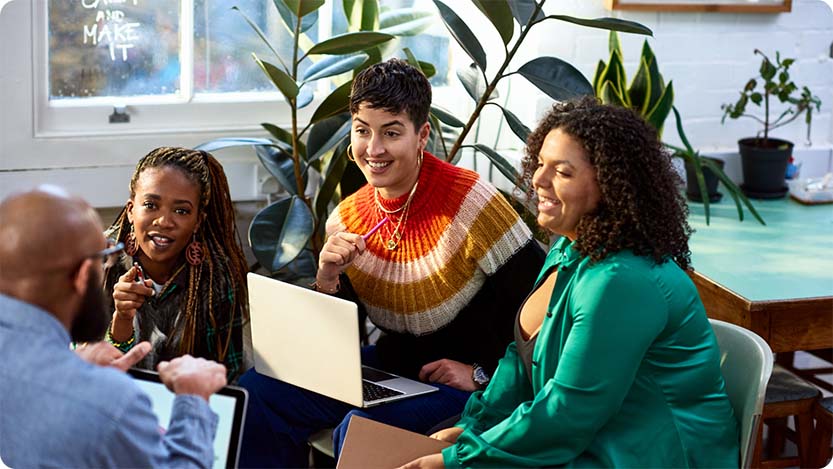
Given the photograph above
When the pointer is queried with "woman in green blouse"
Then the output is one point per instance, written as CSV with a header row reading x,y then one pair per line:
x,y
614,362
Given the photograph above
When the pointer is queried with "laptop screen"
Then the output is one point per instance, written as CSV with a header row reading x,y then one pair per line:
x,y
229,404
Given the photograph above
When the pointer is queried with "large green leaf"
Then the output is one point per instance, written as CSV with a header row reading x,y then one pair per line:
x,y
555,77
302,8
279,164
350,42
462,34
613,44
657,115
614,74
323,131
612,24
473,81
597,77
428,69
337,102
518,127
446,117
362,15
289,18
335,65
501,164
332,177
281,79
284,136
523,10
657,83
261,34
305,95
640,90
500,15
609,94
404,22
334,139
680,131
280,232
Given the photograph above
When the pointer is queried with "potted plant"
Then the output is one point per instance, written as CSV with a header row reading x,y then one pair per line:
x,y
763,158
649,95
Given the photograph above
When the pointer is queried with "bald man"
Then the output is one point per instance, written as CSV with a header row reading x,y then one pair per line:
x,y
56,409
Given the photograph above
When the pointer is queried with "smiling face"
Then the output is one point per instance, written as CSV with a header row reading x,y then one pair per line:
x,y
165,214
387,148
565,183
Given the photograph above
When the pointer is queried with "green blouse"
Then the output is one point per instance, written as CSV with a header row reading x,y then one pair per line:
x,y
625,373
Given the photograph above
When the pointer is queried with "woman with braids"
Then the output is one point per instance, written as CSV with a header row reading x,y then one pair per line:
x,y
181,283
442,277
614,362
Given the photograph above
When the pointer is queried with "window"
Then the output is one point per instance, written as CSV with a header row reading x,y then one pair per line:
x,y
181,62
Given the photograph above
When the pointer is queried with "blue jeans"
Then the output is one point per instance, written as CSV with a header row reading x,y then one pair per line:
x,y
281,417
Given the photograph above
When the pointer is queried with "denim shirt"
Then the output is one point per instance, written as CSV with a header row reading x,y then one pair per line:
x,y
57,410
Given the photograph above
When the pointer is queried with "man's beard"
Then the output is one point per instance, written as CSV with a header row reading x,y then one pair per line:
x,y
92,319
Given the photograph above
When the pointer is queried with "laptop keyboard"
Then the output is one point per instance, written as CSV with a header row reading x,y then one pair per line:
x,y
373,392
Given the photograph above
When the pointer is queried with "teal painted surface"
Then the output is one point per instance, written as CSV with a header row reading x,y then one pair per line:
x,y
790,257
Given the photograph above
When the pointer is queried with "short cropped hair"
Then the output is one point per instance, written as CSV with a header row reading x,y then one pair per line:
x,y
393,86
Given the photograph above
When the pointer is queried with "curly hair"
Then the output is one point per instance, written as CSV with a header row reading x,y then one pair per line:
x,y
224,263
641,206
393,86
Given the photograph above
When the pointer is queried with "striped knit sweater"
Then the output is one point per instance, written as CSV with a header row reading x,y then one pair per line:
x,y
459,230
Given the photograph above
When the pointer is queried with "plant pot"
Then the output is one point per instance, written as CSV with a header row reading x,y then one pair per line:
x,y
764,167
693,189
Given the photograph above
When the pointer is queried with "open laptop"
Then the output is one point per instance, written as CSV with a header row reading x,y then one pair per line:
x,y
311,340
229,403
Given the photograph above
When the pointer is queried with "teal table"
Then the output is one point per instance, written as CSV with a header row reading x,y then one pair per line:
x,y
776,280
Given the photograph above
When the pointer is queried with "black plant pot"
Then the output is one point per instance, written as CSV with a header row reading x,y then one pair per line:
x,y
764,167
693,189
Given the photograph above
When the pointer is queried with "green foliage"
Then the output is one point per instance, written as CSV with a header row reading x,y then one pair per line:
x,y
648,95
774,79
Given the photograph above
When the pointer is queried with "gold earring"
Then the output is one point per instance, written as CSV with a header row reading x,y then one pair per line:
x,y
350,154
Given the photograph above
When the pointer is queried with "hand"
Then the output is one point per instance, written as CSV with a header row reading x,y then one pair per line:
x,y
449,372
128,295
104,354
448,434
426,462
337,254
189,375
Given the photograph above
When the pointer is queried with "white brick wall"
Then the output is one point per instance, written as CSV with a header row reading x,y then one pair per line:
x,y
709,56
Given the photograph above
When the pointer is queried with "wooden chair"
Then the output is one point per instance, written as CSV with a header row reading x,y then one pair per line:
x,y
787,395
820,443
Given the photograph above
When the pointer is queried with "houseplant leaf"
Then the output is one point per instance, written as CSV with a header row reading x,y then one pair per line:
x,y
305,95
555,77
660,111
281,79
614,74
405,22
597,76
640,90
280,231
279,164
284,136
301,8
228,142
522,11
473,81
337,102
612,24
657,82
500,15
336,137
362,15
350,42
446,117
332,177
261,34
335,65
462,34
289,18
500,163
322,131
427,69
516,125
609,94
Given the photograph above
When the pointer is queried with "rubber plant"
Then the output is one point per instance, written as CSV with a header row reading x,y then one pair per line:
x,y
649,95
309,158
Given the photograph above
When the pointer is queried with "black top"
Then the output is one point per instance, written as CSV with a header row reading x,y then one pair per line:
x,y
525,347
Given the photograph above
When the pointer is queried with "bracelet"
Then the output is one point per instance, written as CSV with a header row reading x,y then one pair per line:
x,y
315,286
123,346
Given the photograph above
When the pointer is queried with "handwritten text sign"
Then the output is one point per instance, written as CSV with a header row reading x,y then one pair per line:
x,y
111,27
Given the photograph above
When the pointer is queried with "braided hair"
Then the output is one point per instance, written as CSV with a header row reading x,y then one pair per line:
x,y
224,263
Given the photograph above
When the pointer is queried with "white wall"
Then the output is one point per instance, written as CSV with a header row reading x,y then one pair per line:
x,y
707,55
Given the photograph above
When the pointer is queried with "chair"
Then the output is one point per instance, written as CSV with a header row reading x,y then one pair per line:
x,y
322,454
820,445
746,364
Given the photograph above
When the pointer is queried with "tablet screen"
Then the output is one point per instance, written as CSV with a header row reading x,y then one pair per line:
x,y
229,404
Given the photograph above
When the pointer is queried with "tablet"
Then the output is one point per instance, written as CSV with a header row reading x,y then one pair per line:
x,y
229,403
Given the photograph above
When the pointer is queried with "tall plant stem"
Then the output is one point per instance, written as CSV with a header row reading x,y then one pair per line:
x,y
491,87
293,105
766,117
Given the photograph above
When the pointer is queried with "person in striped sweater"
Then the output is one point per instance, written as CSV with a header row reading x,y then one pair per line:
x,y
443,278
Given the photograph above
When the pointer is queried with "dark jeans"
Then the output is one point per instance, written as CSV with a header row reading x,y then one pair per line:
x,y
281,417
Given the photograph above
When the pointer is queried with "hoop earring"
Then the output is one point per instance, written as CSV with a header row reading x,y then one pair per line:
x,y
195,252
350,153
130,245
419,159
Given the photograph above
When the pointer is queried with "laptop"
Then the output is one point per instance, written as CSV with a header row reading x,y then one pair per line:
x,y
229,403
311,340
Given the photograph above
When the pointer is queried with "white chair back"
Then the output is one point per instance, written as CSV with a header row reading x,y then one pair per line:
x,y
746,363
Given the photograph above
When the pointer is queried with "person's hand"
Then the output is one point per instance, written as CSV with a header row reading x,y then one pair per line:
x,y
338,253
449,372
426,462
129,295
189,375
448,434
104,354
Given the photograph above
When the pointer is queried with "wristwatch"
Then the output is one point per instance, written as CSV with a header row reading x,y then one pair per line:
x,y
479,376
